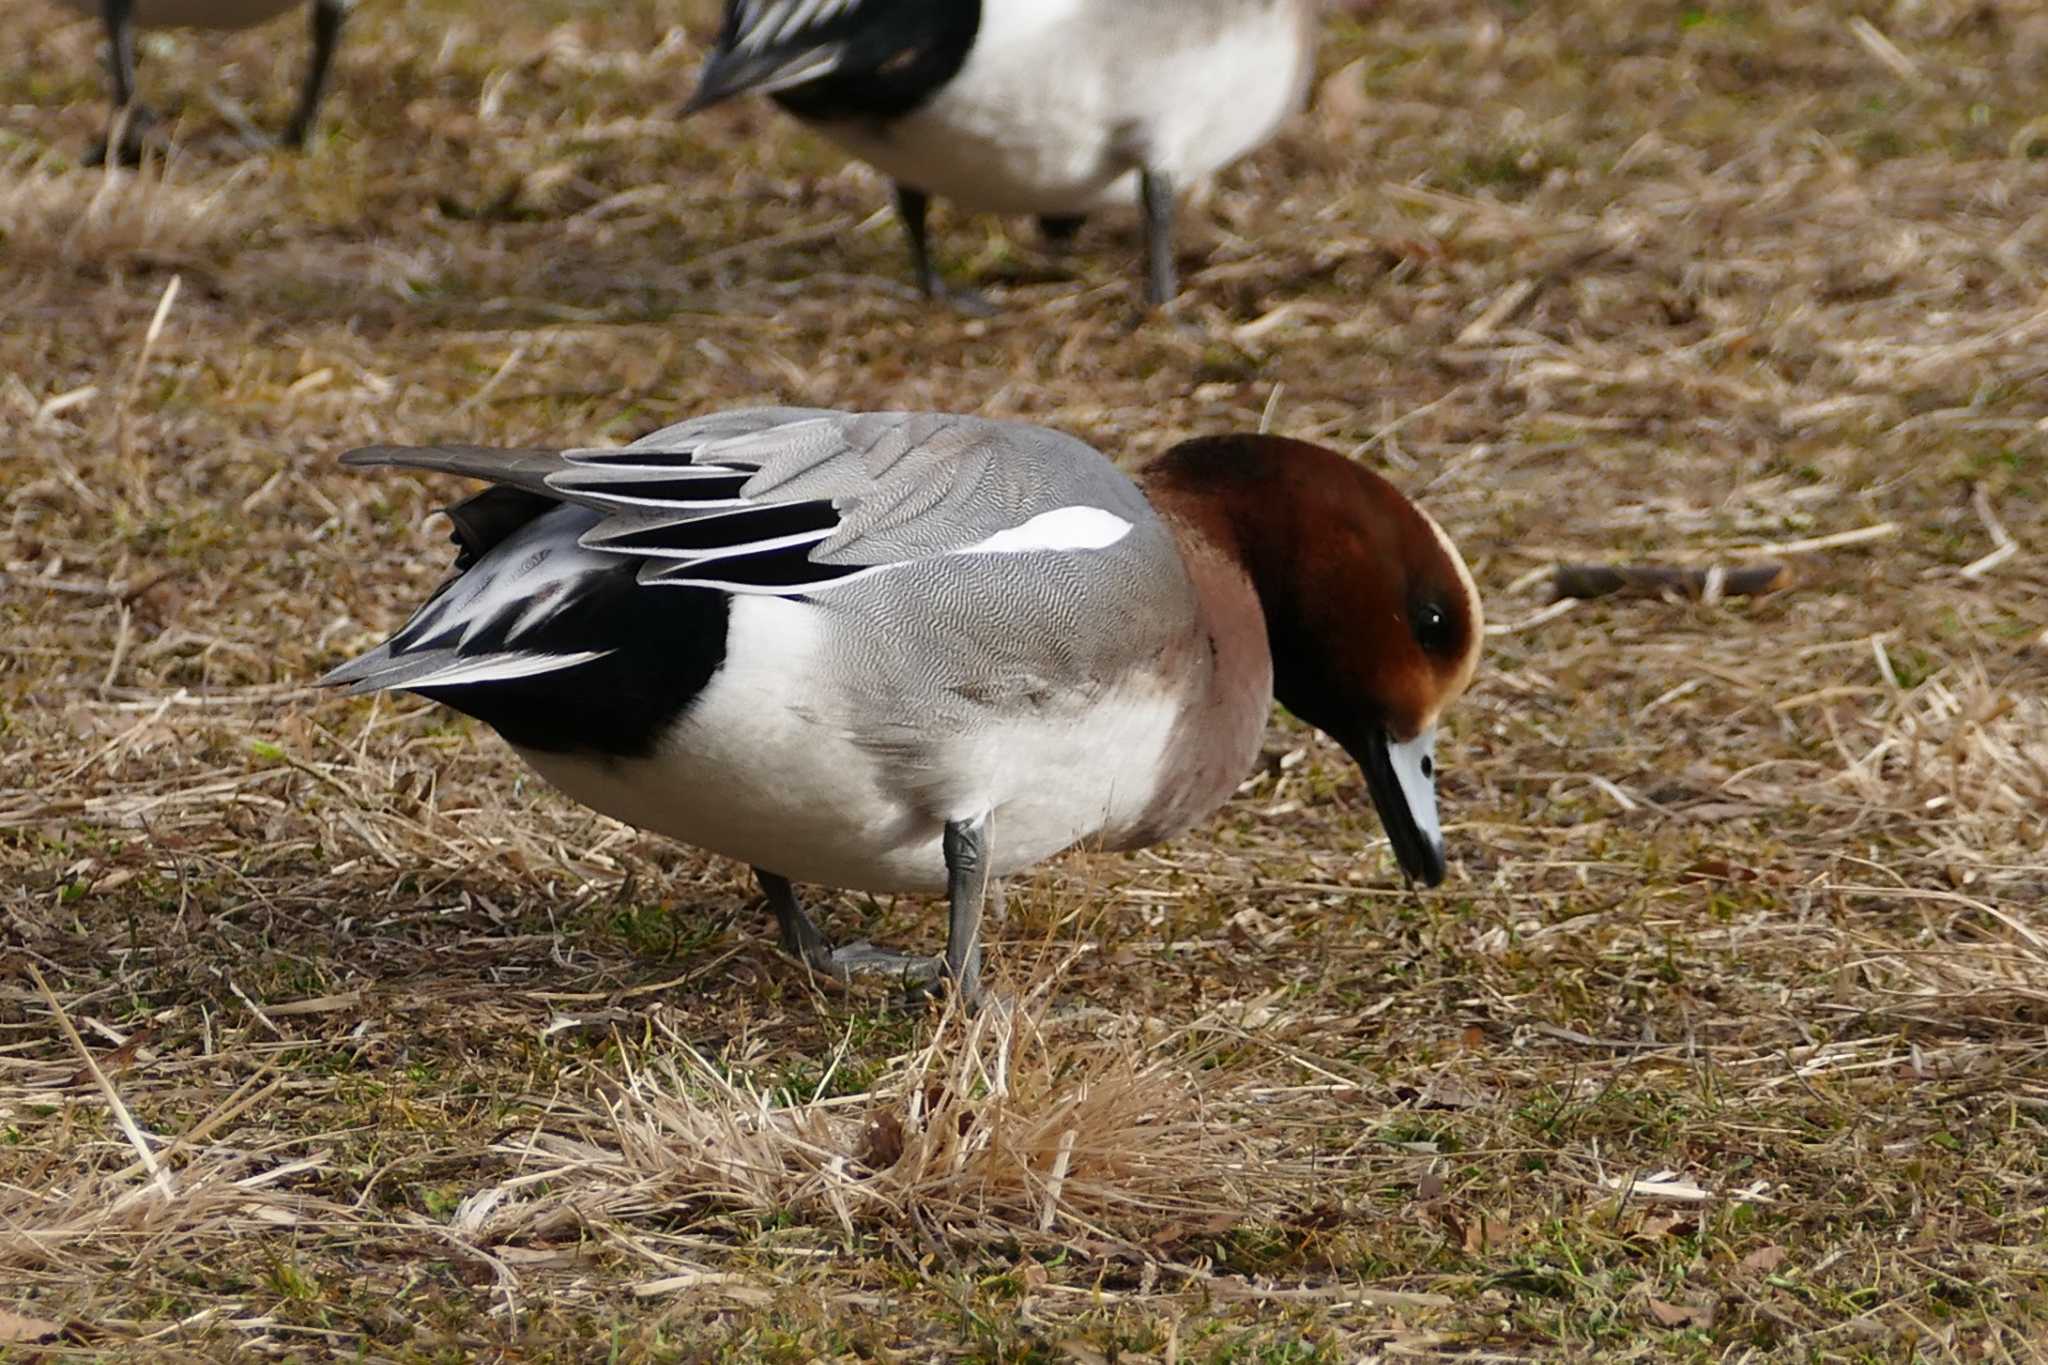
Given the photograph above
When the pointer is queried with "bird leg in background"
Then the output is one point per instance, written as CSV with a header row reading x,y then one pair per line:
x,y
327,20
1155,192
911,207
128,121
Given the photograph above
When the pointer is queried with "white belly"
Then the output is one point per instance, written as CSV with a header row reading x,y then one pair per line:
x,y
776,765
1053,113
198,13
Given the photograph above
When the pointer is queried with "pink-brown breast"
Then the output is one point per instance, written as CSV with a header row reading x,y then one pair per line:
x,y
1225,672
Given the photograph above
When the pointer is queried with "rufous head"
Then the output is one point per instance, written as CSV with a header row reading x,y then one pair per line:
x,y
1371,614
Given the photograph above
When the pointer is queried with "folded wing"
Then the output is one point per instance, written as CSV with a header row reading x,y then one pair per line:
x,y
782,501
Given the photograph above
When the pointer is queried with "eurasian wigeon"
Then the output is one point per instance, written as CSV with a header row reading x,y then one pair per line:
x,y
1048,107
131,119
908,652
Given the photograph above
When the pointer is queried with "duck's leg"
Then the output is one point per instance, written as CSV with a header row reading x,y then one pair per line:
x,y
804,940
1155,192
128,121
967,847
327,20
912,206
801,937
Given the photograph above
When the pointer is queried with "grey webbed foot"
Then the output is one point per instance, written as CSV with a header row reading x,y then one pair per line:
x,y
914,971
971,303
804,940
966,847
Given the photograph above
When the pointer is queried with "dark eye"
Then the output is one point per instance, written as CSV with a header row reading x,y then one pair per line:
x,y
1432,627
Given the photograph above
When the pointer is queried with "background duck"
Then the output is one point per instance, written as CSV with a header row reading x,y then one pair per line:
x,y
908,652
1048,107
130,120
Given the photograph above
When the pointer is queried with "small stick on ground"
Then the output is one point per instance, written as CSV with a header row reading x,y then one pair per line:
x,y
136,1137
1663,580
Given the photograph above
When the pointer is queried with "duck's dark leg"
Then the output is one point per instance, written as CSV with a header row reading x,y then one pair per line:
x,y
1155,192
801,937
327,19
967,849
129,120
912,206
805,941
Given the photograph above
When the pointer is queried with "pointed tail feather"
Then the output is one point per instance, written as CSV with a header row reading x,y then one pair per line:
x,y
526,468
382,671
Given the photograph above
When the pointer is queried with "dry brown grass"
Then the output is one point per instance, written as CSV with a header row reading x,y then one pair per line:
x,y
1727,1038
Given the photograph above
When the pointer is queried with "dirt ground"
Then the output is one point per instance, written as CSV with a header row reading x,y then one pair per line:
x,y
325,1031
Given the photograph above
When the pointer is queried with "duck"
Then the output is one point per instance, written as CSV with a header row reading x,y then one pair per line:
x,y
915,652
130,120
1053,108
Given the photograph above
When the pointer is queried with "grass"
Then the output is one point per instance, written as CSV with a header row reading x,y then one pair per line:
x,y
1727,1038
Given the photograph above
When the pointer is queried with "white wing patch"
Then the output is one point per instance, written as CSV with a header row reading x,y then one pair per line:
x,y
783,20
1063,528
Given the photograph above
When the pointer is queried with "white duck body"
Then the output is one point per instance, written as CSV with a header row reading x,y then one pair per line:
x,y
1061,102
827,789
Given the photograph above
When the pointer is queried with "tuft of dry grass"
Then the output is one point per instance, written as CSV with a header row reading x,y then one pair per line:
x,y
1726,1039
1007,1125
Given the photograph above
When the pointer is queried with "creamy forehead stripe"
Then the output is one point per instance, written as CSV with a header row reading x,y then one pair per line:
x,y
1470,664
1063,528
1464,574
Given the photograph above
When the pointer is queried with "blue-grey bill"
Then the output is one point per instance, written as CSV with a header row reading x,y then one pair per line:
x,y
1402,780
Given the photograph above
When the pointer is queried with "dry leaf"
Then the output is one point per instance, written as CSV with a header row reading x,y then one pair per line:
x,y
1663,1225
16,1330
882,1141
1448,1092
120,1059
1764,1259
1341,101
1485,1233
1679,1314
